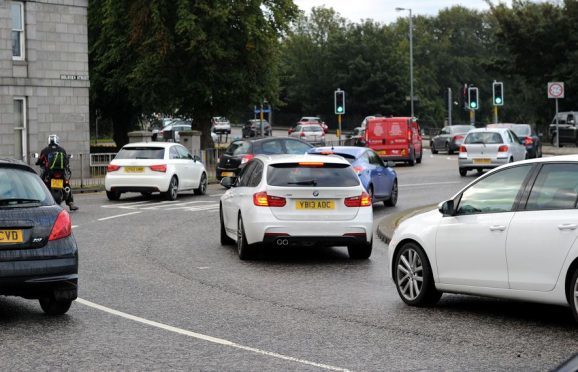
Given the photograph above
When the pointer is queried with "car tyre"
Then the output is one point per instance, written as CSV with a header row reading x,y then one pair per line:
x,y
418,160
202,189
54,307
58,195
113,195
225,240
370,192
463,172
172,192
413,277
392,201
360,251
433,148
245,251
411,161
572,294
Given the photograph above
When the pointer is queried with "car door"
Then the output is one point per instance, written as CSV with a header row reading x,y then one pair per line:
x,y
192,168
233,198
441,139
378,175
471,244
179,166
541,234
518,146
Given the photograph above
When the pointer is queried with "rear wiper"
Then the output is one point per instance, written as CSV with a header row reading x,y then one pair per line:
x,y
19,201
304,183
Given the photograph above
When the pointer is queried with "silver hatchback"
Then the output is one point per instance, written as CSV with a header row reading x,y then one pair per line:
x,y
489,148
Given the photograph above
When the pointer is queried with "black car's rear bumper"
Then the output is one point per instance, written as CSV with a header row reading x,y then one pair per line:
x,y
220,172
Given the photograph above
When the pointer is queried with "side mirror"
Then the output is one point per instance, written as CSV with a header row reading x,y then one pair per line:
x,y
196,158
446,208
70,156
36,156
390,164
228,182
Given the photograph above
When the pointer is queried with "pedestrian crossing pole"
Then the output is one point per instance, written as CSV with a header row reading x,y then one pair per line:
x,y
339,128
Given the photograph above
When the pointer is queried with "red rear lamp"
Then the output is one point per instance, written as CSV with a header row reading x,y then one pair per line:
x,y
311,164
302,134
528,141
456,138
159,168
503,148
358,169
463,149
363,200
247,158
112,168
62,227
262,199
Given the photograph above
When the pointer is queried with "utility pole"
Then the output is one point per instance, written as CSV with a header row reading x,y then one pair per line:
x,y
449,106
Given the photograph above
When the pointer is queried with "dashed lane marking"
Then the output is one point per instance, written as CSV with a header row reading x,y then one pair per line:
x,y
74,226
117,216
203,337
430,184
191,206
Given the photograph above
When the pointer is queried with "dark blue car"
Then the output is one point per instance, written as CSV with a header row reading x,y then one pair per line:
x,y
378,178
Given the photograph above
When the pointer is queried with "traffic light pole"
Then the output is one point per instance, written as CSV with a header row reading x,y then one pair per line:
x,y
496,114
473,117
261,120
339,128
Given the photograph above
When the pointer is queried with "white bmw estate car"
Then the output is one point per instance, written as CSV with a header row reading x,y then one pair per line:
x,y
511,233
155,167
288,200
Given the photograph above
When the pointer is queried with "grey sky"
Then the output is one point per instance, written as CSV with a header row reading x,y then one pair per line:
x,y
384,10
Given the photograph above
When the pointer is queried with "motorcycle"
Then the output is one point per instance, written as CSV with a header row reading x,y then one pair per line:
x,y
58,182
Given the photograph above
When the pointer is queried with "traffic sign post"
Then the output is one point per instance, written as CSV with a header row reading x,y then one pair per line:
x,y
339,101
556,91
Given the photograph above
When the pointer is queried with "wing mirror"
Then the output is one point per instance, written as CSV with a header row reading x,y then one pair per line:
x,y
228,182
36,156
447,208
196,158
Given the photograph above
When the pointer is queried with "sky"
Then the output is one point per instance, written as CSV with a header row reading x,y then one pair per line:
x,y
384,10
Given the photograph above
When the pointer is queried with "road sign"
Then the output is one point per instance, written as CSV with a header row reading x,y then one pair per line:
x,y
266,110
556,90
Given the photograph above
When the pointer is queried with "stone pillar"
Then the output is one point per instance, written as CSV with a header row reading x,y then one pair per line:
x,y
140,136
191,139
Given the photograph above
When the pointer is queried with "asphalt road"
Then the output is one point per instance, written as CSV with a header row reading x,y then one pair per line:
x,y
158,292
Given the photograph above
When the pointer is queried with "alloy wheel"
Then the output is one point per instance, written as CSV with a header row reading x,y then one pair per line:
x,y
575,295
174,188
410,274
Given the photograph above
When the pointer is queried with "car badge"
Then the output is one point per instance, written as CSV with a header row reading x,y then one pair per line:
x,y
316,193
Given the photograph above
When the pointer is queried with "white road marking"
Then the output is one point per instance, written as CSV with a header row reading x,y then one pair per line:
x,y
217,195
117,216
124,204
74,226
203,337
430,184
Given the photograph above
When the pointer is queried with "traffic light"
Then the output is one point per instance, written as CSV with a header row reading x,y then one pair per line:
x,y
339,102
473,101
498,89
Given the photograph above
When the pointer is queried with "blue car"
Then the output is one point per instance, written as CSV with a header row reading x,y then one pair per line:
x,y
378,178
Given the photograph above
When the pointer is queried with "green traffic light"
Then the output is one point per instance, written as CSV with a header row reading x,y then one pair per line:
x,y
473,105
498,100
340,109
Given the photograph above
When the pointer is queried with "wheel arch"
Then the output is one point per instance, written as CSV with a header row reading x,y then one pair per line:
x,y
399,246
569,273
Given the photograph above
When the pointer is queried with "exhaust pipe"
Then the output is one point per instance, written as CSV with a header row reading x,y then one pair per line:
x,y
281,242
67,189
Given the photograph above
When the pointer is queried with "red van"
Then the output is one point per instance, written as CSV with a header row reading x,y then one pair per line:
x,y
397,139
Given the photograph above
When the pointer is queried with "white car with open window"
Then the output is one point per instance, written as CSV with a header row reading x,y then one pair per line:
x,y
288,200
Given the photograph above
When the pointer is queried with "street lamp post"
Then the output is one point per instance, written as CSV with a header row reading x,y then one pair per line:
x,y
410,57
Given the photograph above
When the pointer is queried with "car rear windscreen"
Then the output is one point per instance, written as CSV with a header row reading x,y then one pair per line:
x,y
141,153
238,148
19,188
296,175
487,138
312,128
522,130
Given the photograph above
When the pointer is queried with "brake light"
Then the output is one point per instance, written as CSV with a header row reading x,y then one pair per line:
x,y
409,135
311,164
503,148
358,169
458,138
159,168
262,199
247,158
363,200
528,141
302,134
62,227
463,149
112,168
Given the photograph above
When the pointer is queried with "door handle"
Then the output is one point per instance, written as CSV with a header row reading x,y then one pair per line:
x,y
497,228
567,226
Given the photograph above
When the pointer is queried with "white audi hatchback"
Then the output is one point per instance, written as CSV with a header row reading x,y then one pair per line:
x,y
512,233
289,200
155,167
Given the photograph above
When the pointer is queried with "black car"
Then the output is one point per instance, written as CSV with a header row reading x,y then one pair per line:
x,y
38,253
527,134
252,128
241,151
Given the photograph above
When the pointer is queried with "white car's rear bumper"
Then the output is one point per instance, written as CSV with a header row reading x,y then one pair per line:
x,y
136,183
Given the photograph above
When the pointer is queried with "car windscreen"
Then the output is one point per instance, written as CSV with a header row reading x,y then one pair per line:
x,y
522,130
303,175
487,138
238,148
312,128
141,153
19,188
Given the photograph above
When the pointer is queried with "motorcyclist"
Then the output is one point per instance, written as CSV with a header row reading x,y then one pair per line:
x,y
48,161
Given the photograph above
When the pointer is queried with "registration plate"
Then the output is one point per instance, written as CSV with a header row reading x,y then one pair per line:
x,y
56,184
134,169
227,174
11,236
482,161
315,204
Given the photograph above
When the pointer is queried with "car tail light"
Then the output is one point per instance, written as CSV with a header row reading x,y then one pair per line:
x,y
112,168
409,135
463,149
262,199
358,169
62,227
457,138
503,148
57,175
528,141
363,200
247,158
159,168
302,134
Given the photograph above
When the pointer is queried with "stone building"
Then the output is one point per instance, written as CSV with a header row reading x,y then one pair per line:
x,y
44,84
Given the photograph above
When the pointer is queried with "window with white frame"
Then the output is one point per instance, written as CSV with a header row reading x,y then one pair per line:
x,y
17,13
